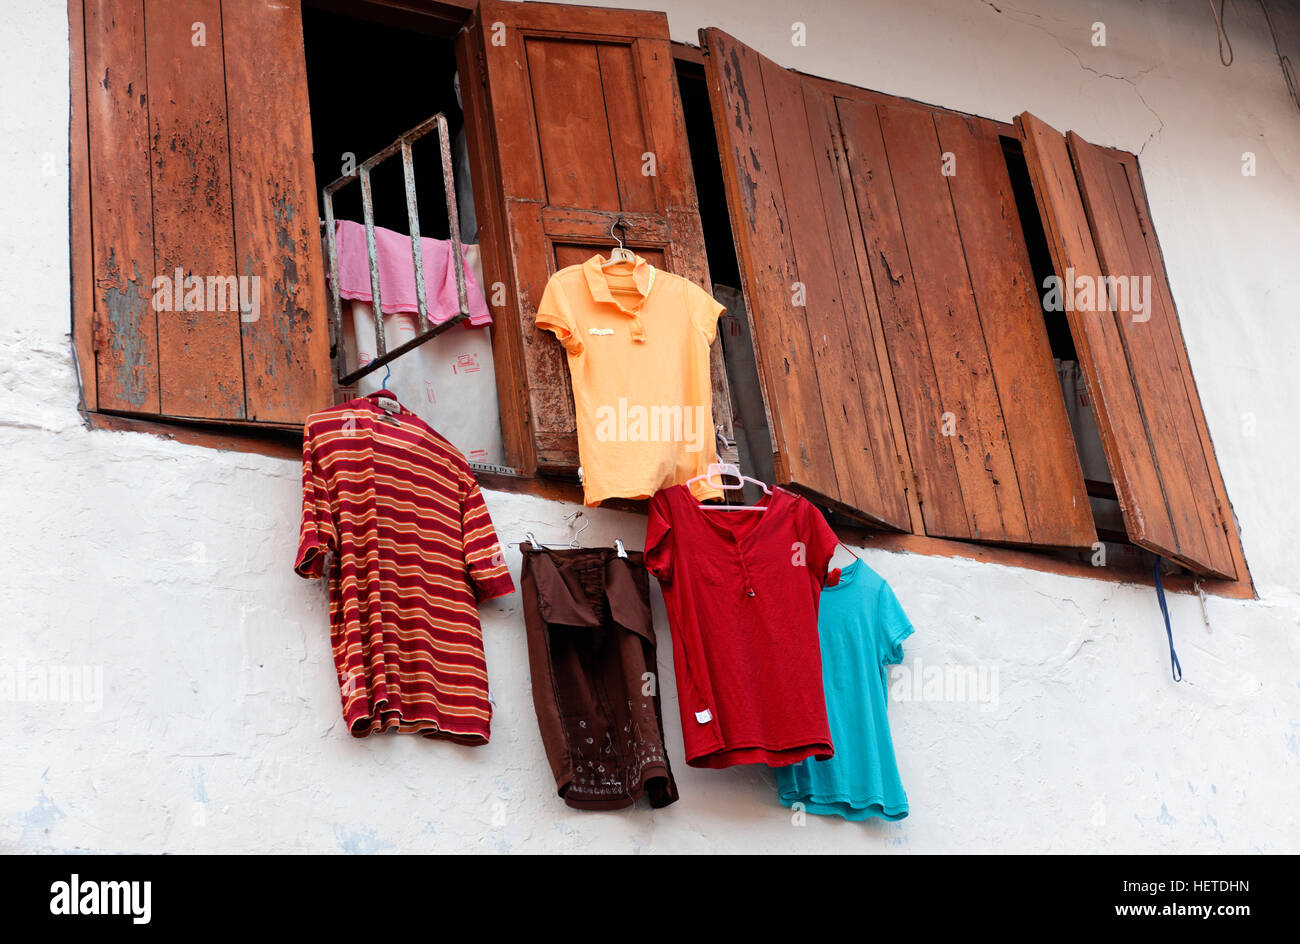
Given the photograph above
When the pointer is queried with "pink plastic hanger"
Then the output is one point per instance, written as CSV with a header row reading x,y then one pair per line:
x,y
727,468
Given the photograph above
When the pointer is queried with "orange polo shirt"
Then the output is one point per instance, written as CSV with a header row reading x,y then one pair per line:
x,y
638,345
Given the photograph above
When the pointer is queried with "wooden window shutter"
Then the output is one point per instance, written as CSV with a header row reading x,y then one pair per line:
x,y
580,103
200,161
932,265
1152,427
813,334
985,417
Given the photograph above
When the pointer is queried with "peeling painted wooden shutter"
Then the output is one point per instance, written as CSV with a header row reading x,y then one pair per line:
x,y
1134,362
813,334
200,167
582,102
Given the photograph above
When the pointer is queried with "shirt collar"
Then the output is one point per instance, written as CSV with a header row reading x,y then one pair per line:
x,y
598,285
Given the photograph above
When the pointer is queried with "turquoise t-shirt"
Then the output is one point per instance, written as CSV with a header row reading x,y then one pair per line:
x,y
862,628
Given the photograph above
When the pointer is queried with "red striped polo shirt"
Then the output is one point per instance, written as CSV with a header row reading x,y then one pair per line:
x,y
412,553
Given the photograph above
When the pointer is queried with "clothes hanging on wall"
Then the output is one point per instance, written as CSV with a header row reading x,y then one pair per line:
x,y
742,591
638,343
412,551
591,657
862,628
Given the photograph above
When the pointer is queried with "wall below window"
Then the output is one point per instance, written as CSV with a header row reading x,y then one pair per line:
x,y
166,568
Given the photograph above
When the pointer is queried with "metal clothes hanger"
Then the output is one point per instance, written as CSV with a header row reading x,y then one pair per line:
x,y
728,468
620,252
530,539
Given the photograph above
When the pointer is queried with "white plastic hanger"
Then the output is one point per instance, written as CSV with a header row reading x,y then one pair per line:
x,y
620,253
728,468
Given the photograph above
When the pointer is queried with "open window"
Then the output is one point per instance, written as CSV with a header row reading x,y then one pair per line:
x,y
439,367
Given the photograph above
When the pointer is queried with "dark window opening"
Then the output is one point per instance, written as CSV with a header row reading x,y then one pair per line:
x,y
369,81
749,417
358,109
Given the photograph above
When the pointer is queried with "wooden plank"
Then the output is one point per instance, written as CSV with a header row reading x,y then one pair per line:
x,y
82,245
621,83
768,271
594,225
1153,359
882,478
1222,508
665,129
938,485
572,129
550,387
1101,352
874,356
507,344
262,439
567,254
990,491
276,222
126,335
1154,399
853,435
831,359
574,21
199,350
1020,356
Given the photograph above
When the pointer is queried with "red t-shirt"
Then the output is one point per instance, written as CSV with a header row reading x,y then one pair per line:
x,y
742,589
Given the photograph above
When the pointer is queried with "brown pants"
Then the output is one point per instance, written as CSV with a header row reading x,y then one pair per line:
x,y
591,652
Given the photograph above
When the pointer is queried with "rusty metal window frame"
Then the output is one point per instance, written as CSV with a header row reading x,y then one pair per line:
x,y
438,123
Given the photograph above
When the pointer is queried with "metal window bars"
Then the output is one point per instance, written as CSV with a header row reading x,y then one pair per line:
x,y
403,144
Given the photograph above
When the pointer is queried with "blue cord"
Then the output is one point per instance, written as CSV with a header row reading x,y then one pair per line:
x,y
388,372
1175,667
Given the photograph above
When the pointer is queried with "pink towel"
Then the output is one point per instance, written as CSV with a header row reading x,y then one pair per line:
x,y
397,274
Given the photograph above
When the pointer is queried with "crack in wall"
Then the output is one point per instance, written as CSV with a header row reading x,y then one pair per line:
x,y
1129,80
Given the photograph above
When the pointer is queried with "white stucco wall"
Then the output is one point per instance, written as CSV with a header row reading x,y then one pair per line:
x,y
167,567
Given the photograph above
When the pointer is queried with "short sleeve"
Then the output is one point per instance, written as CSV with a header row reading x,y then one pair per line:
x,y
317,533
892,626
484,561
659,539
555,315
819,539
705,311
